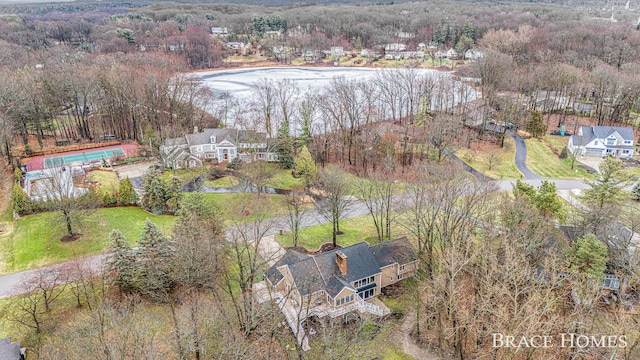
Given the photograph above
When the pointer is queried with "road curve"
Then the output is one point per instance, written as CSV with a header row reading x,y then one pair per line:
x,y
521,157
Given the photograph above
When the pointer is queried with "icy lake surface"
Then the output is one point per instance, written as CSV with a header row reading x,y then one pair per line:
x,y
238,82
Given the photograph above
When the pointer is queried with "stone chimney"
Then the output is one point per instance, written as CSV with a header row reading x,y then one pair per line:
x,y
195,129
341,261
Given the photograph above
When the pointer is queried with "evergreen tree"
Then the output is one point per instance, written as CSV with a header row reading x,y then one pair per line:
x,y
122,262
468,30
21,202
154,263
564,153
126,193
305,166
174,194
588,258
285,145
608,188
305,125
535,126
545,199
155,192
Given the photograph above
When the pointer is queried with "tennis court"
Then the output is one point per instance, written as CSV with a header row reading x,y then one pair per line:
x,y
83,157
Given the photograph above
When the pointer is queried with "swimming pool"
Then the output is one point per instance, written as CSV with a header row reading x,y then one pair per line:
x,y
83,157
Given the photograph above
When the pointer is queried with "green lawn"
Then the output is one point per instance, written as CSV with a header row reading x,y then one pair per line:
x,y
229,203
35,240
632,172
108,180
283,179
227,181
542,161
504,168
355,230
185,175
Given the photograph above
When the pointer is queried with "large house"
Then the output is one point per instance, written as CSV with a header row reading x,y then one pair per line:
x,y
338,282
602,141
10,350
216,144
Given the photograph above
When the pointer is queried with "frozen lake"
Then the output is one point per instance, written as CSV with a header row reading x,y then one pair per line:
x,y
239,82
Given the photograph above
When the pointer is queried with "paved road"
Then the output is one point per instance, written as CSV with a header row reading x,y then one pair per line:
x,y
521,157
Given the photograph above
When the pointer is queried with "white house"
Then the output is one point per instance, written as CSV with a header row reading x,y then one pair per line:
x,y
216,144
602,141
337,51
395,47
473,54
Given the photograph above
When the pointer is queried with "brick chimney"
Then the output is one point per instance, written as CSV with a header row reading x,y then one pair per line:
x,y
195,129
341,261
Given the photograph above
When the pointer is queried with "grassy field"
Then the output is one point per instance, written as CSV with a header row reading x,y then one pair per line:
x,y
354,231
108,181
505,167
227,181
632,172
542,160
283,179
35,240
229,204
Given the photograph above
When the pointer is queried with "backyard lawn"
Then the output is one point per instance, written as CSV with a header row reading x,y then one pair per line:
x,y
504,167
543,161
108,181
35,240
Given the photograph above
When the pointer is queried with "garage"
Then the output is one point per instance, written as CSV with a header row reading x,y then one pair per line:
x,y
593,153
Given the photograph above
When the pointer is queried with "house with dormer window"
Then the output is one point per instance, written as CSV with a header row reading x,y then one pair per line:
x,y
602,141
339,281
222,145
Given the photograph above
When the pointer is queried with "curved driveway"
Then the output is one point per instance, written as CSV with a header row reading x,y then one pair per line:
x,y
521,157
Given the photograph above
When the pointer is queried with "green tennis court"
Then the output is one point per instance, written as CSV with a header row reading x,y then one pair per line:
x,y
83,157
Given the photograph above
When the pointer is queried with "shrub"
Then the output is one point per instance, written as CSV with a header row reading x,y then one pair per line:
x,y
564,153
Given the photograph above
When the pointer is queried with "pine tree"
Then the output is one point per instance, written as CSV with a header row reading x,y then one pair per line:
x,y
285,145
535,126
564,153
305,166
154,262
122,262
155,192
126,193
174,194
588,257
305,125
21,202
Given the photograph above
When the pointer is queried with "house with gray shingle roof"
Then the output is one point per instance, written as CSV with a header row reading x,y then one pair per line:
x,y
342,280
11,350
602,141
216,144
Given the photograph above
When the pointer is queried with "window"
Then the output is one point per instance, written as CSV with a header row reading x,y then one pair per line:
x,y
390,278
343,300
400,276
367,294
363,282
596,142
401,267
199,149
625,151
611,141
